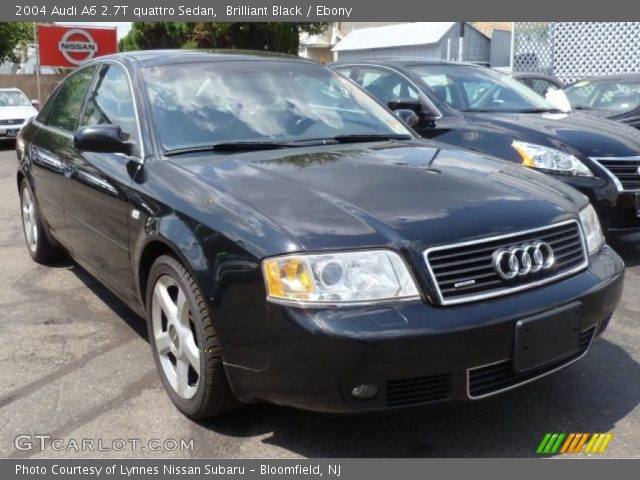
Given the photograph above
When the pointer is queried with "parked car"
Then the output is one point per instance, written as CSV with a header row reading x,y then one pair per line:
x,y
15,110
539,82
616,97
289,240
487,111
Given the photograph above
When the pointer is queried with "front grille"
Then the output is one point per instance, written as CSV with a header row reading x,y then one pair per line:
x,y
418,390
11,122
624,169
464,272
500,376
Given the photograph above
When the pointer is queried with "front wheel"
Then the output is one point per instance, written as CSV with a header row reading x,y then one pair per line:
x,y
40,248
185,347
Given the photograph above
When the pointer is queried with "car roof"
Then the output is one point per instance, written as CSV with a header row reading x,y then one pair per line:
x,y
402,61
152,58
535,75
613,78
11,89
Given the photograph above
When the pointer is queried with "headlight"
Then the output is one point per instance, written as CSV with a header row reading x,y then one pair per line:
x,y
339,278
592,229
550,160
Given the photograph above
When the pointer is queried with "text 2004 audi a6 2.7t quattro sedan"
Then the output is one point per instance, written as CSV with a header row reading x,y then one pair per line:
x,y
289,240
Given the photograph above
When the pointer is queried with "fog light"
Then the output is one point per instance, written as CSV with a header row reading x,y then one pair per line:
x,y
366,391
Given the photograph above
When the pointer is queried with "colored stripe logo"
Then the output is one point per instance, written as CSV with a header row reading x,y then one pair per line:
x,y
553,443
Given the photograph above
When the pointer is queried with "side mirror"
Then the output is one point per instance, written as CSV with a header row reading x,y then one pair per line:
x,y
407,116
102,139
35,103
412,104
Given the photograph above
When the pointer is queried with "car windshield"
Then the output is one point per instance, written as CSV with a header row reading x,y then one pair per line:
x,y
239,101
615,96
13,99
470,88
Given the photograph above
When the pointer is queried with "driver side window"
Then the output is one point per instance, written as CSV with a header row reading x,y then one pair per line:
x,y
384,85
111,103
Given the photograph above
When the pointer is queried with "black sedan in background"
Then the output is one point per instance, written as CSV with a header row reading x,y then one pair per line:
x,y
288,239
616,97
484,110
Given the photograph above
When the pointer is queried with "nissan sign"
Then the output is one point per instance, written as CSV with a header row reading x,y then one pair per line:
x,y
60,46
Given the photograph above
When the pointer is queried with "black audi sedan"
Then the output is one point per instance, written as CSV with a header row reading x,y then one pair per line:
x,y
484,110
289,240
616,97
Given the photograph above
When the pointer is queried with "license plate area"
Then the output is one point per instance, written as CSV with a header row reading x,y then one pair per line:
x,y
548,337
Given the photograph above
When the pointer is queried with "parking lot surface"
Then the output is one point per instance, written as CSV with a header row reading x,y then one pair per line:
x,y
76,365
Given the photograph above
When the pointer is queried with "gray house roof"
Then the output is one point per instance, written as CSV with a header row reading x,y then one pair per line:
x,y
417,33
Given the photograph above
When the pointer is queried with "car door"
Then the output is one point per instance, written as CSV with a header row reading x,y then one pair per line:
x,y
96,198
52,145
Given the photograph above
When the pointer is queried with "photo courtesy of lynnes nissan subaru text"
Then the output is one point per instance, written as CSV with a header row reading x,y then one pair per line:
x,y
289,240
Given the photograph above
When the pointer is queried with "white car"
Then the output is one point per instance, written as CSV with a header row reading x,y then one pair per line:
x,y
15,110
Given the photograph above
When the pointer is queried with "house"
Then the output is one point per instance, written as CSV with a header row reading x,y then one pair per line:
x,y
445,40
318,47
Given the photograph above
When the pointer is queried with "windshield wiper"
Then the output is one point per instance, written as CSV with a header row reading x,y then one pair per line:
x,y
248,146
360,137
255,146
541,110
505,110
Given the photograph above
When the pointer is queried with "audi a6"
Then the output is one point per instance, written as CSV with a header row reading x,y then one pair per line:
x,y
288,239
487,111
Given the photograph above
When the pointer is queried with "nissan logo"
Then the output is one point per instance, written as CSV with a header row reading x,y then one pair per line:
x,y
523,260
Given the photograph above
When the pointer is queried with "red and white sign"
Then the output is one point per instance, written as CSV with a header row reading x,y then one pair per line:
x,y
60,46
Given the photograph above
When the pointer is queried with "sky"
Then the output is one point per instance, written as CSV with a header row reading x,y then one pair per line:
x,y
123,27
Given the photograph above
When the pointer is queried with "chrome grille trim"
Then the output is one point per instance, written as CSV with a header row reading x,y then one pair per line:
x,y
473,297
603,161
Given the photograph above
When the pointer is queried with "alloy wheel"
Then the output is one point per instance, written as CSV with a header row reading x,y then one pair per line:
x,y
175,337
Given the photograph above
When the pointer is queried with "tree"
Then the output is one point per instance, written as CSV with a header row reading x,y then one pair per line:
x,y
154,35
14,35
269,36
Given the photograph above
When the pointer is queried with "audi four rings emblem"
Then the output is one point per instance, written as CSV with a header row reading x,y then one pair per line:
x,y
523,260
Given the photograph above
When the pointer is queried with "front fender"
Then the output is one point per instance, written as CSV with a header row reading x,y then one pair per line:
x,y
228,276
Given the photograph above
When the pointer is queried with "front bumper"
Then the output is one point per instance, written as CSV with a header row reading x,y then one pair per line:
x,y
415,353
616,208
9,132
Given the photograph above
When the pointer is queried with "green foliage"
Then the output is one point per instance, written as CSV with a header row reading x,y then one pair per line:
x,y
154,35
14,35
269,36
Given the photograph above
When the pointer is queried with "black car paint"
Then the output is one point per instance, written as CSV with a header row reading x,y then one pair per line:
x,y
493,134
222,213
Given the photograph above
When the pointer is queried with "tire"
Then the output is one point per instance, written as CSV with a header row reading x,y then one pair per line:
x,y
41,249
181,332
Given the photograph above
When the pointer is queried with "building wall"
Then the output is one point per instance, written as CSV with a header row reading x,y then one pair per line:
x,y
501,49
28,84
319,54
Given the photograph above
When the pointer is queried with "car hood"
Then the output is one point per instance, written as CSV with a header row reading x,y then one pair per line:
x,y
629,117
353,196
14,113
578,134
